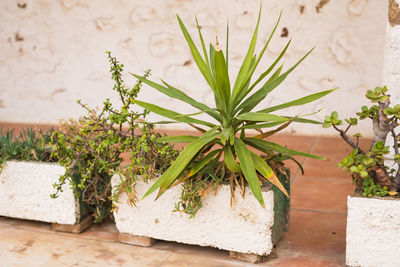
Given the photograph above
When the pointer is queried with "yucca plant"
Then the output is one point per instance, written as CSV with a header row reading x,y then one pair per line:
x,y
233,114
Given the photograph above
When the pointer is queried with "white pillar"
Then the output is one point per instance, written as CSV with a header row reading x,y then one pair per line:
x,y
391,66
391,71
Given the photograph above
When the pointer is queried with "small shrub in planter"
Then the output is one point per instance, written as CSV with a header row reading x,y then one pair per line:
x,y
86,153
28,172
93,148
220,158
373,229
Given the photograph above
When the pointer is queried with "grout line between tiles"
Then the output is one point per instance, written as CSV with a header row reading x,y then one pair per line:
x,y
320,211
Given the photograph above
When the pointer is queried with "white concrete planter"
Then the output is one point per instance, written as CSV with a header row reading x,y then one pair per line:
x,y
245,228
25,189
373,232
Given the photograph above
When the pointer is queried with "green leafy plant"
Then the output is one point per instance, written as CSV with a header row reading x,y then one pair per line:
x,y
31,144
228,138
93,148
368,169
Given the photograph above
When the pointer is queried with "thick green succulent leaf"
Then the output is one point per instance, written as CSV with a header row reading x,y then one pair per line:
x,y
203,67
178,94
169,176
265,146
177,139
299,102
265,170
245,67
171,114
248,169
261,116
230,160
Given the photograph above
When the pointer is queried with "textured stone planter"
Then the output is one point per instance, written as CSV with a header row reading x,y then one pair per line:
x,y
245,228
25,189
373,232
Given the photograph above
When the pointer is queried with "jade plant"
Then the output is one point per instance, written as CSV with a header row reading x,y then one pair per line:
x,y
221,153
372,170
31,144
94,147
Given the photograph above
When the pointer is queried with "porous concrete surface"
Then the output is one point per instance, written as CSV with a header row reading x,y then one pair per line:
x,y
53,49
246,227
373,232
25,189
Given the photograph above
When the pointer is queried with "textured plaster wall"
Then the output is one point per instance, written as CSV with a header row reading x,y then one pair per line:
x,y
53,51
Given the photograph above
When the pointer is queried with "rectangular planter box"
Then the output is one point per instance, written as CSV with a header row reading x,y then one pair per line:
x,y
373,232
25,189
244,228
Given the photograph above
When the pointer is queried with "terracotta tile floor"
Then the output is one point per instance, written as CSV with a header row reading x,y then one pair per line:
x,y
316,235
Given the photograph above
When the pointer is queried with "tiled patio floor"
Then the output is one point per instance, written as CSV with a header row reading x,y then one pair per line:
x,y
316,235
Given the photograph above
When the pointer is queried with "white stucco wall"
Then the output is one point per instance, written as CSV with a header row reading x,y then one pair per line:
x,y
53,51
391,71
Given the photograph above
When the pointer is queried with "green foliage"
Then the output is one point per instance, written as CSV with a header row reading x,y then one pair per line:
x,y
371,189
379,149
378,94
352,121
31,144
367,168
233,114
93,148
366,112
334,120
393,111
358,163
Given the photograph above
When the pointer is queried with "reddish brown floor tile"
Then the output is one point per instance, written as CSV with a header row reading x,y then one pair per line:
x,y
328,194
296,142
324,169
316,234
305,261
